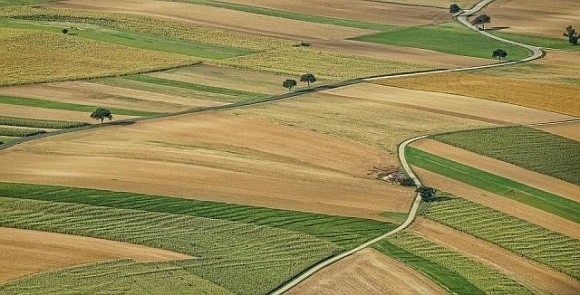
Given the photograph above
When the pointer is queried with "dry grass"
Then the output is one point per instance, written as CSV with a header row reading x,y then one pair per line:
x,y
31,56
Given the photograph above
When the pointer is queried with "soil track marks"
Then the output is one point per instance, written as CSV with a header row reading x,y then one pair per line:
x,y
497,202
523,270
513,172
216,157
368,272
25,252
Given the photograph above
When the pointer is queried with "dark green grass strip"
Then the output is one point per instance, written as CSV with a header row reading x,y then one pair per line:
x,y
292,15
37,123
22,2
48,104
19,132
195,87
450,280
450,38
542,200
347,232
526,147
555,43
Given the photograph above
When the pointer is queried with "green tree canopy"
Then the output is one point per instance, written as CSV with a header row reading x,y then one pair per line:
x,y
499,53
101,114
572,35
454,8
308,78
289,83
481,20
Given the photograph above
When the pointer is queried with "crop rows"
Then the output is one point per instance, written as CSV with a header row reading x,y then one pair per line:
x,y
37,123
243,258
519,236
19,132
526,147
484,278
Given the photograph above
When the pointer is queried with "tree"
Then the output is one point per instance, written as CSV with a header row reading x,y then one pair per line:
x,y
427,193
572,35
289,83
499,53
308,78
65,31
454,8
481,20
101,114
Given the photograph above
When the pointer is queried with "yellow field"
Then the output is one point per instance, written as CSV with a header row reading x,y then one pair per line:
x,y
31,56
297,61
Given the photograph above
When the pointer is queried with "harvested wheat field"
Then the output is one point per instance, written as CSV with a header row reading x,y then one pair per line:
x,y
218,17
497,167
570,130
446,104
497,202
548,96
370,11
372,122
367,272
534,17
217,157
25,252
540,277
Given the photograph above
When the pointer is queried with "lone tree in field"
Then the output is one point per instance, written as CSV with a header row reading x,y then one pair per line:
x,y
289,83
499,53
427,193
101,114
308,78
481,21
454,8
572,35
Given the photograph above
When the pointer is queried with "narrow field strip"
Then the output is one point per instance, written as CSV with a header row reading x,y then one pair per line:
x,y
545,153
508,188
48,104
244,258
37,123
19,132
537,243
471,275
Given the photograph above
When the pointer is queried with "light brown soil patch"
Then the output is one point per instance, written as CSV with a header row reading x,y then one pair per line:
x,y
218,17
370,11
25,252
104,95
513,172
523,270
569,130
436,3
497,202
48,114
216,157
452,105
367,272
560,98
535,17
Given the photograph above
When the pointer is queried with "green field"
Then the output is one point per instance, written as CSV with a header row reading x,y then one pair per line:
x,y
48,104
21,2
438,38
453,271
19,132
526,147
37,123
550,248
546,42
502,186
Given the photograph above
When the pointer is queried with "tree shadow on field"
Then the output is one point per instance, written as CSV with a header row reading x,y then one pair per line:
x,y
496,28
123,123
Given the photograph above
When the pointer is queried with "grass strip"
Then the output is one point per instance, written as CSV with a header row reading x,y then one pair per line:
x,y
502,186
451,38
444,277
519,236
37,123
19,132
48,104
195,87
546,42
526,147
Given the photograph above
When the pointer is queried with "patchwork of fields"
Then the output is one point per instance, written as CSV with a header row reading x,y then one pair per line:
x,y
215,177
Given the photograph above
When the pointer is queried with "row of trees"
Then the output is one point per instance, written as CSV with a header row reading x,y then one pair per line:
x,y
307,78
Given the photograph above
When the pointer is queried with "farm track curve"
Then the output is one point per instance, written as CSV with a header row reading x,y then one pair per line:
x,y
461,17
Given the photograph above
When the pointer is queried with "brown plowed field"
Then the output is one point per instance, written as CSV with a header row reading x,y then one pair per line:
x,y
569,130
500,203
447,104
513,172
370,11
25,252
534,17
367,272
218,17
435,3
542,278
216,157
48,114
